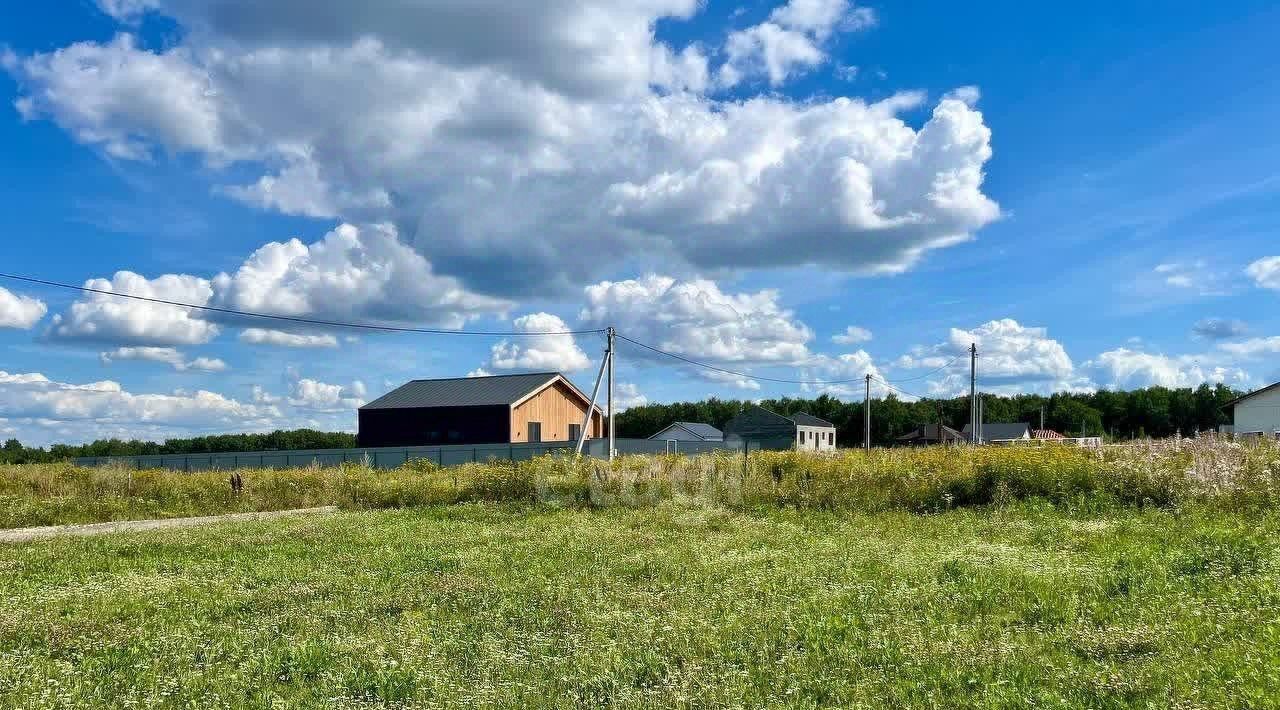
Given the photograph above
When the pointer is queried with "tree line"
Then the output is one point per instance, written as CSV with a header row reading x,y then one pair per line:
x,y
1150,412
14,451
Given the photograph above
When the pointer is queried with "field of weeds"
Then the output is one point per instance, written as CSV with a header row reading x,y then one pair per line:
x,y
1167,473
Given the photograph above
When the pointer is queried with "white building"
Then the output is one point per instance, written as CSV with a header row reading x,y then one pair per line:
x,y
813,433
1257,413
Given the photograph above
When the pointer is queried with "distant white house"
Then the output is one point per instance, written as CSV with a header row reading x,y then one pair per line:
x,y
1257,413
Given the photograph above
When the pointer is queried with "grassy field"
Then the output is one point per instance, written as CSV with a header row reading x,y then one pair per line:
x,y
1143,576
670,605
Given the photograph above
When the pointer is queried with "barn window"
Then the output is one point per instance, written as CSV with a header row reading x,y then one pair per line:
x,y
535,432
575,430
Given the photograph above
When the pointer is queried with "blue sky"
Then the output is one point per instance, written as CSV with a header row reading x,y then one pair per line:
x,y
1088,192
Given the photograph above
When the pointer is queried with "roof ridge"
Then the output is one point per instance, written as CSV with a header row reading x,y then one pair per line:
x,y
547,373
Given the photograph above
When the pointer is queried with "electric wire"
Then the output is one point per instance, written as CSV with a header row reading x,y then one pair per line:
x,y
297,319
709,366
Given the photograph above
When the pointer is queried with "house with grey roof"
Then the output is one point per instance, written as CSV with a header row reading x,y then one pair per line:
x,y
689,431
999,432
497,409
930,434
759,427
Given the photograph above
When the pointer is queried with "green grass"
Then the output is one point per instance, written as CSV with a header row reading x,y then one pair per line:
x,y
679,603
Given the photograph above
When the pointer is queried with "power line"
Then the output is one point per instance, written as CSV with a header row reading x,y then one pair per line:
x,y
296,319
899,390
934,371
709,366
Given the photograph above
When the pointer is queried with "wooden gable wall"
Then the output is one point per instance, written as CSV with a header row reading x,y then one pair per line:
x,y
556,407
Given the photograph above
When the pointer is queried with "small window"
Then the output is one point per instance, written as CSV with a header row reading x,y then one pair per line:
x,y
575,430
535,432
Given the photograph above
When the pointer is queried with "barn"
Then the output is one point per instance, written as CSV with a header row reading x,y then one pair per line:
x,y
498,409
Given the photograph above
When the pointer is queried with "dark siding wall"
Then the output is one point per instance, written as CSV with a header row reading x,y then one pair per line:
x,y
435,426
756,423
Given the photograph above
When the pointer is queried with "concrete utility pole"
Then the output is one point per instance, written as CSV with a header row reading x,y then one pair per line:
x,y
866,414
1042,417
611,439
973,393
591,408
982,417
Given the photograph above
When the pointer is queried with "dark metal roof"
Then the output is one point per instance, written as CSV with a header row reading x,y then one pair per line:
x,y
806,419
758,421
706,431
1254,393
698,430
1001,431
463,391
929,432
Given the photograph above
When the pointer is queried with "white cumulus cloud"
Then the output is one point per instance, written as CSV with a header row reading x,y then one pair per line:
x,y
844,376
627,395
19,311
539,352
1011,358
791,41
697,319
364,275
100,317
85,411
1123,368
730,379
310,394
852,335
1253,347
501,137
353,274
169,356
1265,272
285,339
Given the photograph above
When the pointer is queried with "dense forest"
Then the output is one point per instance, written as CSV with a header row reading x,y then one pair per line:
x,y
1154,411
